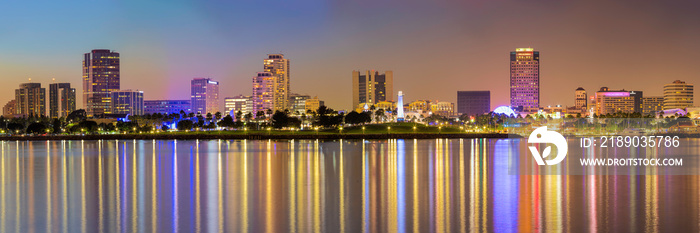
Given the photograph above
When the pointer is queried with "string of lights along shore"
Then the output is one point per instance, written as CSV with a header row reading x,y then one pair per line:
x,y
372,90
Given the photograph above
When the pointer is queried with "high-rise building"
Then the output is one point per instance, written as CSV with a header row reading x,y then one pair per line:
x,y
205,96
9,110
652,105
678,95
298,103
127,102
100,78
238,103
30,99
372,87
263,92
166,106
61,100
473,103
279,67
581,99
613,101
525,79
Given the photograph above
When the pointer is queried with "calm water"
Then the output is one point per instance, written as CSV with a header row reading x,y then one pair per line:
x,y
309,186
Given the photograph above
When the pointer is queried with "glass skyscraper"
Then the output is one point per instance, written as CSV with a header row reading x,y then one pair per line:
x,y
100,78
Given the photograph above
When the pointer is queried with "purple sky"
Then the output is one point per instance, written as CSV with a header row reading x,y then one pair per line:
x,y
435,48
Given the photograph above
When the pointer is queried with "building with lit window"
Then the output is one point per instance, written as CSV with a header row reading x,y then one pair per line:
x,y
241,103
652,105
313,104
205,96
371,87
278,66
9,110
442,108
127,102
613,101
297,103
100,78
263,92
419,105
167,106
473,103
678,95
61,100
525,79
30,99
581,101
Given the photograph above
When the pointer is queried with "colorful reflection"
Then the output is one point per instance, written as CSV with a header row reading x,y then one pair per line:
x,y
442,185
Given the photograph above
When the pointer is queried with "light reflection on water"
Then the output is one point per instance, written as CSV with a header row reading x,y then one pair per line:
x,y
443,185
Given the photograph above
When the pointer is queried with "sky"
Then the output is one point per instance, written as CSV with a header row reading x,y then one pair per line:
x,y
434,48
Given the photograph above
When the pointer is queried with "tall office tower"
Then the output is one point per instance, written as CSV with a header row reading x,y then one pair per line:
x,y
205,96
372,87
473,103
263,92
127,102
279,67
238,103
61,100
100,78
525,79
9,110
581,99
31,99
678,95
399,107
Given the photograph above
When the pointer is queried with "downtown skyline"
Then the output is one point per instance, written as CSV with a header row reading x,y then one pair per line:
x,y
576,51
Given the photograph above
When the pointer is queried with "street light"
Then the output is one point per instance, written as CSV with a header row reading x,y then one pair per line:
x,y
388,129
341,130
439,129
363,130
414,129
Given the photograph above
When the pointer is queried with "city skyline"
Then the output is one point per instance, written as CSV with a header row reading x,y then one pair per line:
x,y
168,48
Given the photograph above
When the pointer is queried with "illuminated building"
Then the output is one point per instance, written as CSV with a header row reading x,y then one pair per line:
x,y
581,100
614,101
678,95
473,102
313,104
9,110
166,106
205,96
525,79
442,108
30,99
399,108
100,78
372,87
506,110
297,103
652,105
241,103
263,92
61,100
127,102
419,105
279,67
386,105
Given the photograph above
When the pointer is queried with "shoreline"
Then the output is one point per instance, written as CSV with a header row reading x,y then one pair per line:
x,y
257,136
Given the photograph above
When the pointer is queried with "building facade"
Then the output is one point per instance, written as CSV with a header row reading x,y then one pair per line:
x,y
263,92
371,87
166,106
297,103
127,102
652,105
9,110
241,103
279,67
100,78
61,100
419,105
525,79
442,108
581,101
313,104
473,103
205,96
613,101
678,95
30,99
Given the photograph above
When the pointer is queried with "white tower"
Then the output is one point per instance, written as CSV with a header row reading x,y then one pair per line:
x,y
399,107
